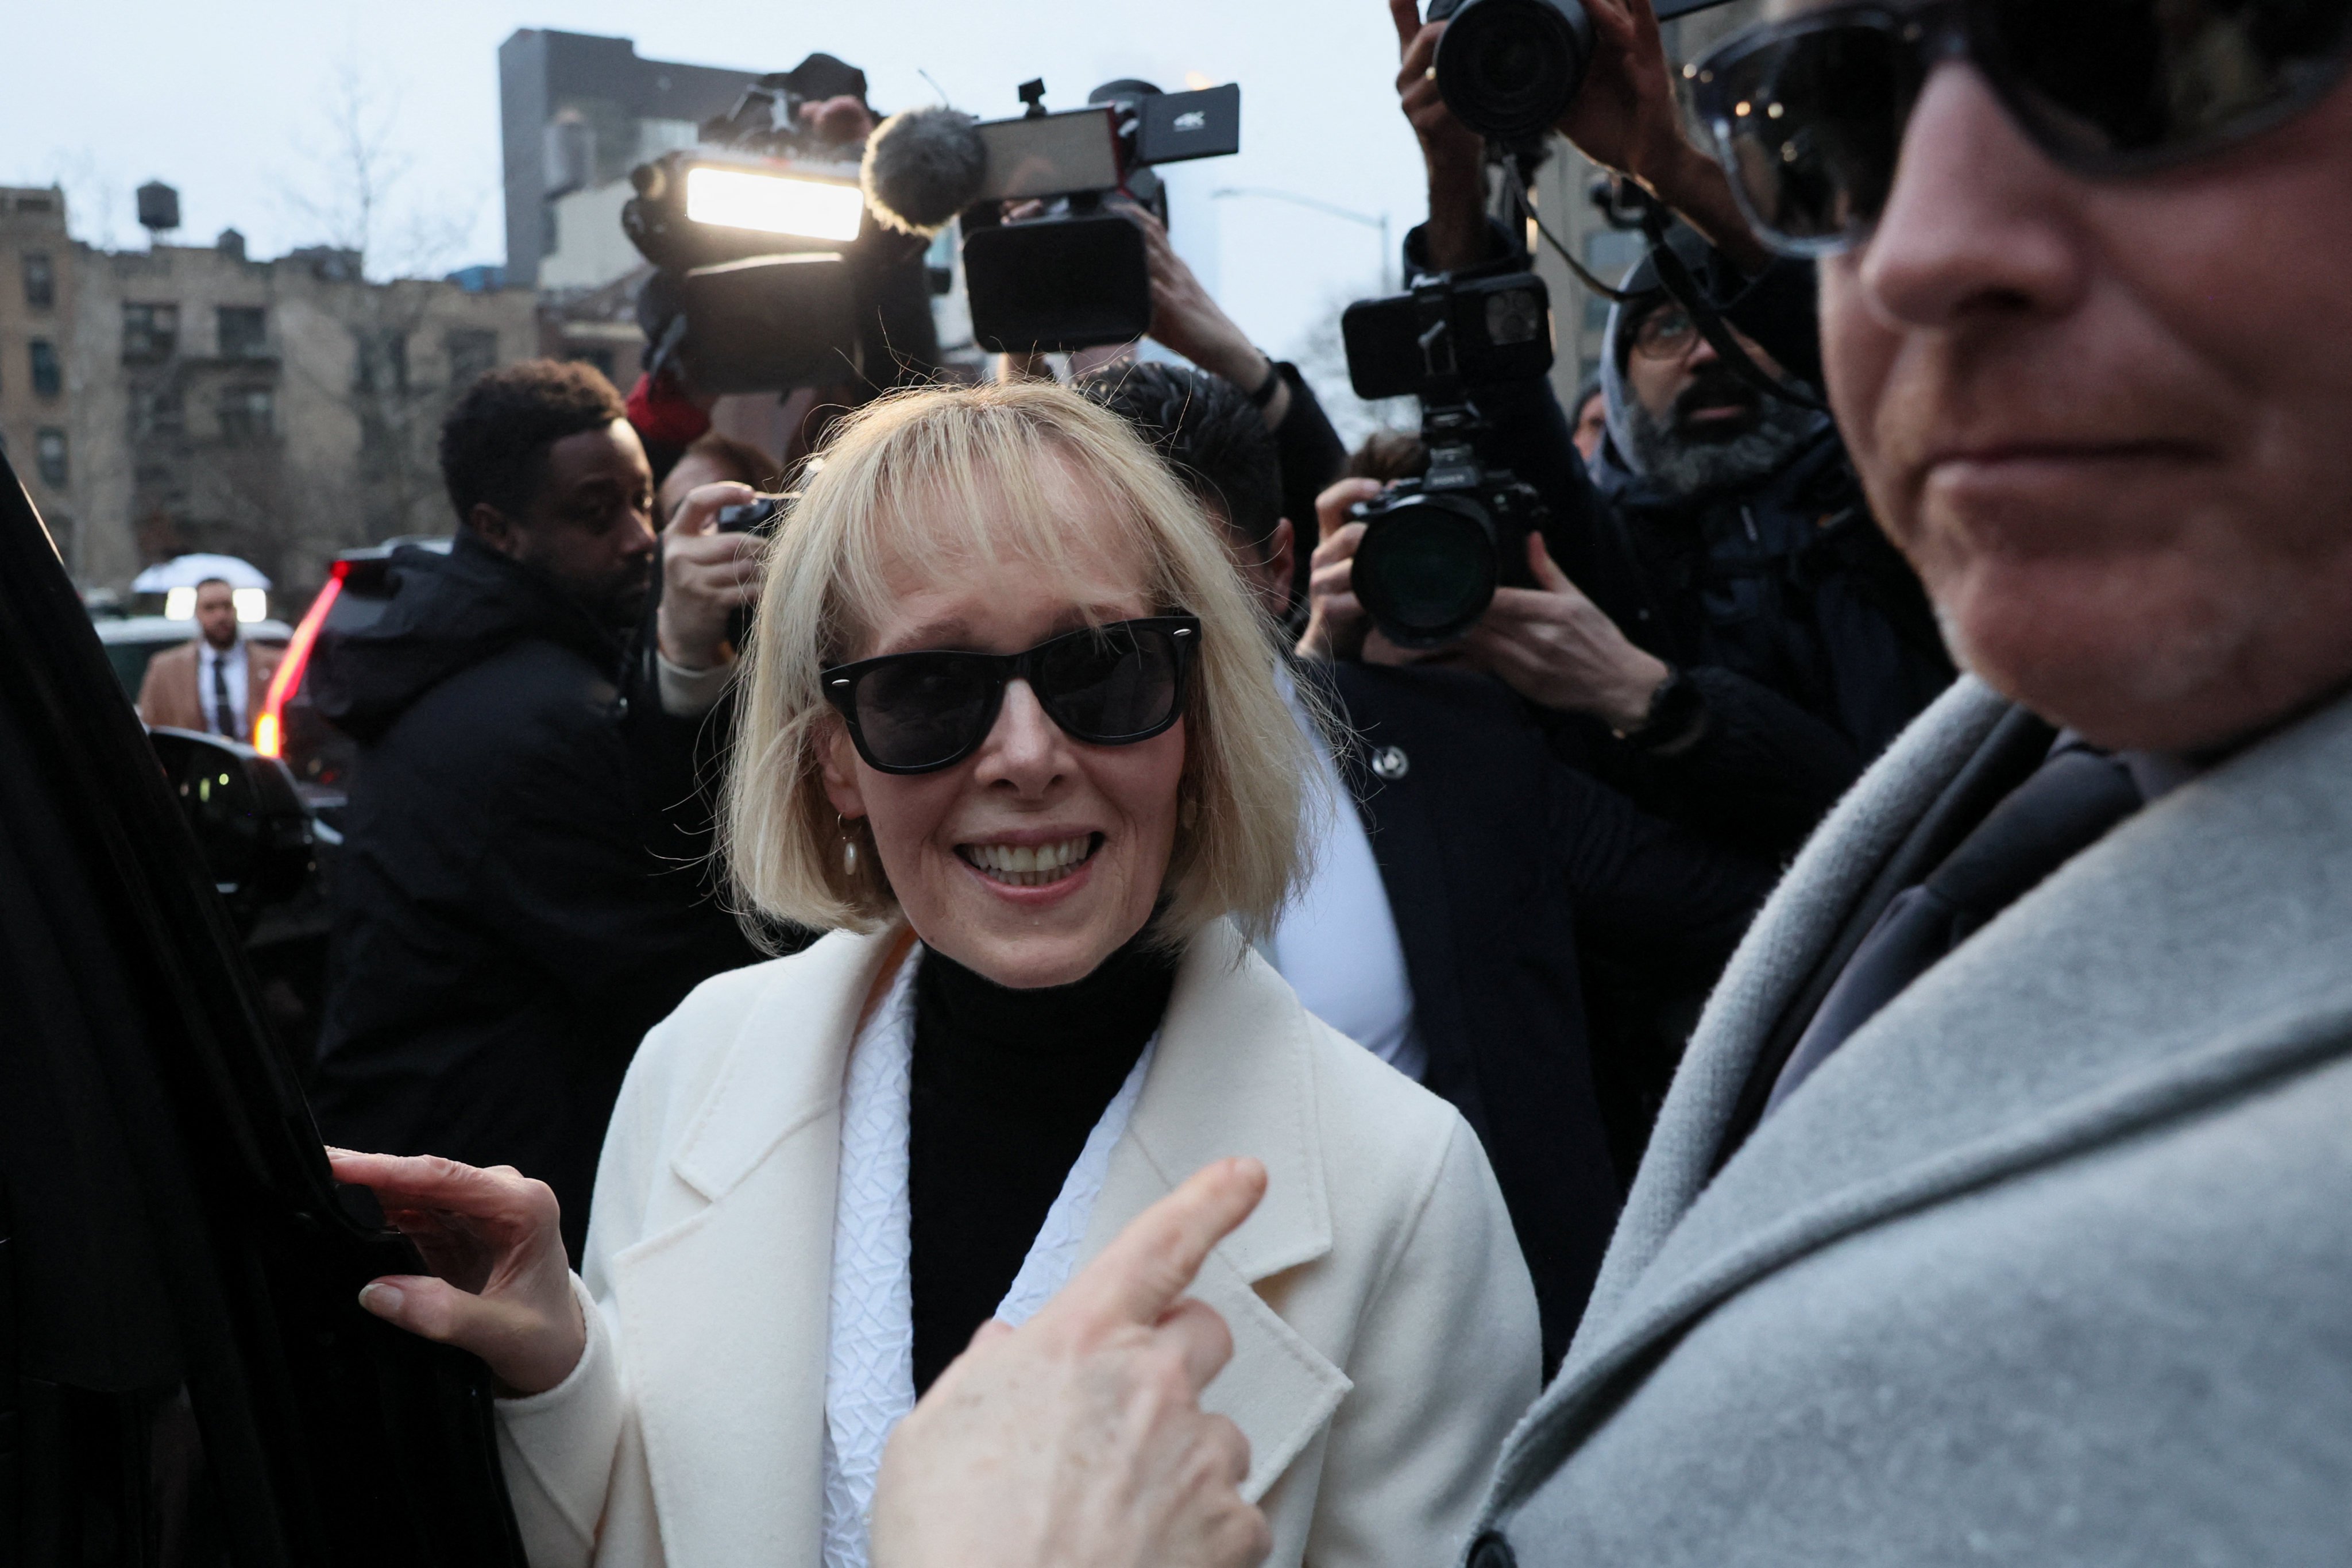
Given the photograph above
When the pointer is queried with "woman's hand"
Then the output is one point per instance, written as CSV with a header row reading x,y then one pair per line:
x,y
1336,620
499,1286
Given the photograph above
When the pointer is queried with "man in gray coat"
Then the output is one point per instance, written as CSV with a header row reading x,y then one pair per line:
x,y
2002,1209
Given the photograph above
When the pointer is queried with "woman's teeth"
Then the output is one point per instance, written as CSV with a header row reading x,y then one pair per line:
x,y
1029,865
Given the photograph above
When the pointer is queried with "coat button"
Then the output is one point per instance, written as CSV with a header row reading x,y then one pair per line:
x,y
1391,763
1491,1551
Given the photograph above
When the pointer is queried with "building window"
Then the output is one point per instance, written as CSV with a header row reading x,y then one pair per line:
x,y
50,457
381,363
248,413
48,375
40,281
473,353
156,412
151,333
244,332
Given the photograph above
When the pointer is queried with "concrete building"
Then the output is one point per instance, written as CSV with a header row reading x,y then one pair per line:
x,y
576,113
36,308
277,410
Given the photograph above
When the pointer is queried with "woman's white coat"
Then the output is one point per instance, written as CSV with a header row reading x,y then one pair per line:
x,y
1384,1329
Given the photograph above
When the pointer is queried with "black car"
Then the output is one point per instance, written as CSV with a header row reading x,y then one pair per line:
x,y
185,1377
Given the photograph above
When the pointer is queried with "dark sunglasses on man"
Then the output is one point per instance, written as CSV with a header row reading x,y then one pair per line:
x,y
1808,115
1111,685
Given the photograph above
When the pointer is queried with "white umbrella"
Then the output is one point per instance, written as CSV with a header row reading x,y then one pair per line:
x,y
187,571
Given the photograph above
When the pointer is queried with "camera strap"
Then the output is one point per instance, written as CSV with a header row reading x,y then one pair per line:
x,y
1684,290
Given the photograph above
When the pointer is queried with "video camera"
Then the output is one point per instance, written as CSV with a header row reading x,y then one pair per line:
x,y
1435,548
767,273
1074,275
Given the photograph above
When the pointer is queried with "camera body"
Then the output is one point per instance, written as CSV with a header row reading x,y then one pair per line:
x,y
1435,548
1076,276
1509,68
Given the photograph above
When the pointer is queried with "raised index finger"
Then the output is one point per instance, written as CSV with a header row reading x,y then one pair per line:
x,y
1149,1265
1406,15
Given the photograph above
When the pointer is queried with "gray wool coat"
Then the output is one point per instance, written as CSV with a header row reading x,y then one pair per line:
x,y
2051,1264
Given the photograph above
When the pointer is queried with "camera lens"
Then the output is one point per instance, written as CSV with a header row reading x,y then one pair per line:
x,y
1426,569
1509,68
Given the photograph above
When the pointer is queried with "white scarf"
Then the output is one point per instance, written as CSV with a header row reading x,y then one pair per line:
x,y
869,1383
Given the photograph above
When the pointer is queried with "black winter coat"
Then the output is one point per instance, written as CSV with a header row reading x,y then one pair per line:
x,y
517,901
1501,865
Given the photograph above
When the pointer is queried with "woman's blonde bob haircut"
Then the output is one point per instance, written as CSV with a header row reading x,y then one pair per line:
x,y
921,482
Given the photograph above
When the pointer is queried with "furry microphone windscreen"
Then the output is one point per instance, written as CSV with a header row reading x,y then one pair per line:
x,y
922,167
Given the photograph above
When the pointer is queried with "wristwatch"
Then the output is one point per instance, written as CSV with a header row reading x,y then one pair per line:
x,y
1264,393
1678,709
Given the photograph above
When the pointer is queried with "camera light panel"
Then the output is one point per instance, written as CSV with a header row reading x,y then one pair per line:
x,y
773,204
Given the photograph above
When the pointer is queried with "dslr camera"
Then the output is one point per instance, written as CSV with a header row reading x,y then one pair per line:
x,y
1509,68
1435,548
1073,275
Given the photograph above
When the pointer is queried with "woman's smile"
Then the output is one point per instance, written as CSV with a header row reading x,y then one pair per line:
x,y
1023,861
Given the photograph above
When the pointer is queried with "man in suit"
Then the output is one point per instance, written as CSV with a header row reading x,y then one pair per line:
x,y
1441,926
1998,1211
218,682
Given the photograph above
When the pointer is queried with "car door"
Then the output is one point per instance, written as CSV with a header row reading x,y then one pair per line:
x,y
185,1378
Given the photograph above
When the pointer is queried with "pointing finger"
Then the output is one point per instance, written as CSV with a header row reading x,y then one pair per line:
x,y
1151,1263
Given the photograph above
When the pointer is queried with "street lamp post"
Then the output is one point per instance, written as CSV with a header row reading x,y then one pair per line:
x,y
1330,209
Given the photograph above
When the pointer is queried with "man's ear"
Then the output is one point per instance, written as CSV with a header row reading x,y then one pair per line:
x,y
840,770
495,528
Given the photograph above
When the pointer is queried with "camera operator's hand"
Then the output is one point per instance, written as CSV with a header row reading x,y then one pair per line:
x,y
1187,318
706,576
1626,119
1337,623
1454,154
1554,647
839,120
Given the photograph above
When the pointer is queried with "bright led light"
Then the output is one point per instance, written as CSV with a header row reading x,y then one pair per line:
x,y
180,605
772,204
252,603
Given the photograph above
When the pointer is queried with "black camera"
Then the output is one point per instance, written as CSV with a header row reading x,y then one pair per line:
x,y
1509,68
1074,275
1435,548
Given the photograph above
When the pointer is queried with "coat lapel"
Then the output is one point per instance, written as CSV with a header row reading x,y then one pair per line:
x,y
2194,950
1234,1075
725,1312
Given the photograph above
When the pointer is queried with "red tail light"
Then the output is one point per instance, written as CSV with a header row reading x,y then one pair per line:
x,y
269,726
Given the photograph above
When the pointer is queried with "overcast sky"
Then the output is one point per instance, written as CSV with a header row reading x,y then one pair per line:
x,y
232,102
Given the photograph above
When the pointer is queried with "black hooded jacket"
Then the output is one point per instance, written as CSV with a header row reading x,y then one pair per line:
x,y
520,894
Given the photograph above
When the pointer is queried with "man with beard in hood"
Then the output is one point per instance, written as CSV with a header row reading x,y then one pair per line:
x,y
1720,629
518,898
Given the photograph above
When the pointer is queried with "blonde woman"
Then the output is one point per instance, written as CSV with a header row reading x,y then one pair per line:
x,y
1009,734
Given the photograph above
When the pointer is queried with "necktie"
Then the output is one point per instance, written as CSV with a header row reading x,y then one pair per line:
x,y
224,716
2063,808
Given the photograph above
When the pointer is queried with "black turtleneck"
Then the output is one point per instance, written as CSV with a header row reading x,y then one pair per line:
x,y
1007,1084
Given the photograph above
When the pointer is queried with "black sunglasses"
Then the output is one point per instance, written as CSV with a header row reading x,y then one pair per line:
x,y
1111,685
1808,115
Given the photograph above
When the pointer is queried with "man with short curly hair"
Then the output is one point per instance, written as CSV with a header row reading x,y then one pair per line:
x,y
516,901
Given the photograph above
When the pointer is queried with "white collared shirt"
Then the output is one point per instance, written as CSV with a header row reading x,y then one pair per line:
x,y
232,662
1338,945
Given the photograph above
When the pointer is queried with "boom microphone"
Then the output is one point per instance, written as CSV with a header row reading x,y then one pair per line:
x,y
922,167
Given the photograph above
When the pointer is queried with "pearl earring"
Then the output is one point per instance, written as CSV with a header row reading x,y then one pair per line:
x,y
848,845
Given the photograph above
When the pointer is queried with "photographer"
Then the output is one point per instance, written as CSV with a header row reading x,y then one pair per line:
x,y
1443,926
1730,634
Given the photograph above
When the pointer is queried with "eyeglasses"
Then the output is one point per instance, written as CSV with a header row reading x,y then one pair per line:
x,y
1111,685
1808,115
1666,332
